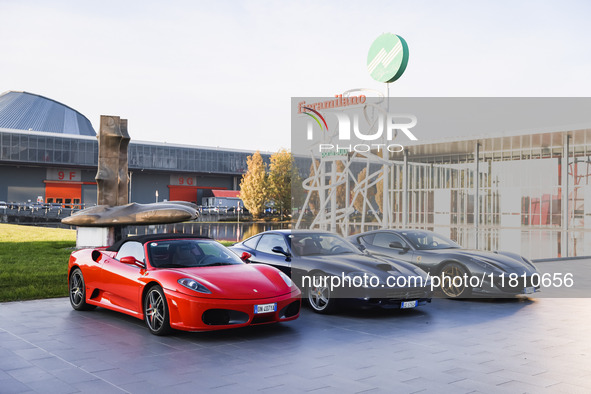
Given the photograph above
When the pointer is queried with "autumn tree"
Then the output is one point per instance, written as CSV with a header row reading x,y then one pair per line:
x,y
279,181
314,200
342,188
298,194
253,186
380,195
359,203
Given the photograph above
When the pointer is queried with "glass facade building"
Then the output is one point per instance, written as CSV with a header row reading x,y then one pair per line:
x,y
525,193
61,168
65,150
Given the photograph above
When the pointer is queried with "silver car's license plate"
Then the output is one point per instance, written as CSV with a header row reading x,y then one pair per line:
x,y
408,304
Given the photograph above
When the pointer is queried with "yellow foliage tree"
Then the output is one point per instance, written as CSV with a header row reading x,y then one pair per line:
x,y
298,194
379,195
279,181
253,186
371,192
341,189
314,201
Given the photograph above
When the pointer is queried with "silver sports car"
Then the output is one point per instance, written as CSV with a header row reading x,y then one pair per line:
x,y
458,272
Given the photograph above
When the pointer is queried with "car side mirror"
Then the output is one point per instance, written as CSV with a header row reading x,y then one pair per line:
x,y
361,247
245,256
132,261
398,245
279,249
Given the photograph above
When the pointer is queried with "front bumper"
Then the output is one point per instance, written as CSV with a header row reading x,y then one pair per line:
x,y
385,303
507,287
390,298
190,313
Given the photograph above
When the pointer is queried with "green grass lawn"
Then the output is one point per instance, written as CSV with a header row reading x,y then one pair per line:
x,y
34,261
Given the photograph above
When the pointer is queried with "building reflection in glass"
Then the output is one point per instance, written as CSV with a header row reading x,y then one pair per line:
x,y
534,194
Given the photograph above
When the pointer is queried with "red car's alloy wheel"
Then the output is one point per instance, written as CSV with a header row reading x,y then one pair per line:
x,y
78,291
156,311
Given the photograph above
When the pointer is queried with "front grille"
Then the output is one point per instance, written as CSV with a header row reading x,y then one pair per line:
x,y
408,294
222,317
513,286
263,318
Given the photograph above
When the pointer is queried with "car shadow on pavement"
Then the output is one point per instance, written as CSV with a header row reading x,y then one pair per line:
x,y
439,313
115,321
472,311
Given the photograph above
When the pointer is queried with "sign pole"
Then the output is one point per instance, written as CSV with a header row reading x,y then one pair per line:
x,y
385,171
386,62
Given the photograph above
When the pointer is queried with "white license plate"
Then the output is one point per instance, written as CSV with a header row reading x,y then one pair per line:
x,y
408,304
529,290
265,308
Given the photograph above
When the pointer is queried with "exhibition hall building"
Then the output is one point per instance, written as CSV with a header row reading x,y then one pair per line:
x,y
529,193
49,153
525,192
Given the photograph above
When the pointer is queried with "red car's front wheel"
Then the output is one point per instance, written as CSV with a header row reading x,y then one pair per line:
x,y
78,291
156,311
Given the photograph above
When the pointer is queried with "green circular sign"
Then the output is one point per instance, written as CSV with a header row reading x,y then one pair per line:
x,y
387,58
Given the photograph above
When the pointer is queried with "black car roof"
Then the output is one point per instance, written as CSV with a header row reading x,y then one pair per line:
x,y
391,230
153,237
299,231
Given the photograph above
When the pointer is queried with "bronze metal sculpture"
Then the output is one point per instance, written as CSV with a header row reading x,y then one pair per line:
x,y
112,179
113,209
155,213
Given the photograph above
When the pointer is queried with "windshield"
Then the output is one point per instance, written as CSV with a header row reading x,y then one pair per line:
x,y
184,253
320,244
426,240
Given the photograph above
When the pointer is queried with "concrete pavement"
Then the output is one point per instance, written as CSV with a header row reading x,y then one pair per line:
x,y
504,346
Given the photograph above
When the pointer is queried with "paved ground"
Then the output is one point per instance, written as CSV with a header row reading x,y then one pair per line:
x,y
528,345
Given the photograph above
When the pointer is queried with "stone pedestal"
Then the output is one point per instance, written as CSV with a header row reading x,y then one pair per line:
x,y
94,237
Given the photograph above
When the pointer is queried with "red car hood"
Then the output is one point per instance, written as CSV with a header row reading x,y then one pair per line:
x,y
241,281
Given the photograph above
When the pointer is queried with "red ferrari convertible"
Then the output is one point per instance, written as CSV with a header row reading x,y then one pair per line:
x,y
180,282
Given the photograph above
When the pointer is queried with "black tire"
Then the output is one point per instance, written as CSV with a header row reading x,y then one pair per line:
x,y
452,271
78,291
320,298
156,311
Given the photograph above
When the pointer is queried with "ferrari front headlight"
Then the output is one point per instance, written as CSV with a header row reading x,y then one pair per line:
x,y
362,279
486,265
420,272
194,285
528,262
285,278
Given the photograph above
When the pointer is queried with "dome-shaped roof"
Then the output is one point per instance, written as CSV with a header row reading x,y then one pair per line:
x,y
28,111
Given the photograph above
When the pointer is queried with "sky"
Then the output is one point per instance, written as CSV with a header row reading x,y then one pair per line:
x,y
222,73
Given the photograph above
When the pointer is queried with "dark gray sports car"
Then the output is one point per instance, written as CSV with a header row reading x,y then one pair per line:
x,y
456,271
331,271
